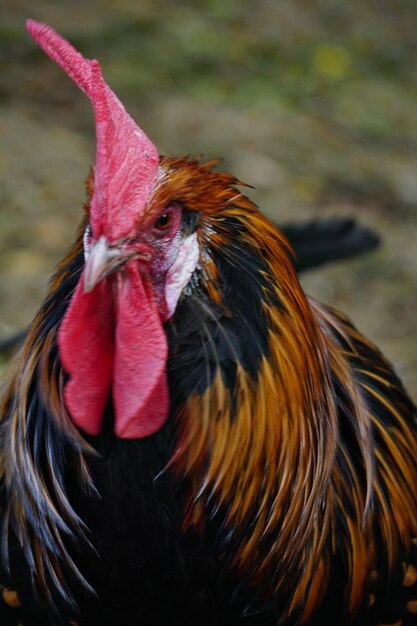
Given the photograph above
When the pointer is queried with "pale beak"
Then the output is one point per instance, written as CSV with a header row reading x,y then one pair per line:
x,y
101,261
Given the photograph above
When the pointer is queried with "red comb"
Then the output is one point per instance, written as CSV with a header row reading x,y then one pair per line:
x,y
126,160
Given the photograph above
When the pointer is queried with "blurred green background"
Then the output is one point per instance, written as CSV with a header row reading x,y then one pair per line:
x,y
312,102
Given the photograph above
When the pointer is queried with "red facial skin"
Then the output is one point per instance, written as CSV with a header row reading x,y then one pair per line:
x,y
112,342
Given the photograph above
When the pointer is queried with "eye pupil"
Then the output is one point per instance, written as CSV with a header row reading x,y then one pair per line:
x,y
164,221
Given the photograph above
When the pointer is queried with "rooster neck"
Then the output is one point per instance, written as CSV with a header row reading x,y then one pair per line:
x,y
272,444
256,417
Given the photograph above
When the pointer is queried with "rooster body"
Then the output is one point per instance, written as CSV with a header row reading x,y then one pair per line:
x,y
279,486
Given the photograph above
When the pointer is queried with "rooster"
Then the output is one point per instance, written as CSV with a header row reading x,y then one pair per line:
x,y
186,438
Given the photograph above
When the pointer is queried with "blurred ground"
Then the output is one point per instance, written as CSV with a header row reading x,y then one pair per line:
x,y
314,103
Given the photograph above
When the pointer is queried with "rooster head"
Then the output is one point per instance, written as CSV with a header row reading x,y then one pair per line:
x,y
138,259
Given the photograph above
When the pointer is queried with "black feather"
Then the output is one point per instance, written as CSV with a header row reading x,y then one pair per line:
x,y
325,240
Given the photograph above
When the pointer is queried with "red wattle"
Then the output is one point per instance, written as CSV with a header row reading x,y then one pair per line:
x,y
140,387
112,340
86,350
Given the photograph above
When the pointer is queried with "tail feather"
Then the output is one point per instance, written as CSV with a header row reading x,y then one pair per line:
x,y
320,241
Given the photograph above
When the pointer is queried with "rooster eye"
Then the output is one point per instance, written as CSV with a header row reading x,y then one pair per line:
x,y
164,222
